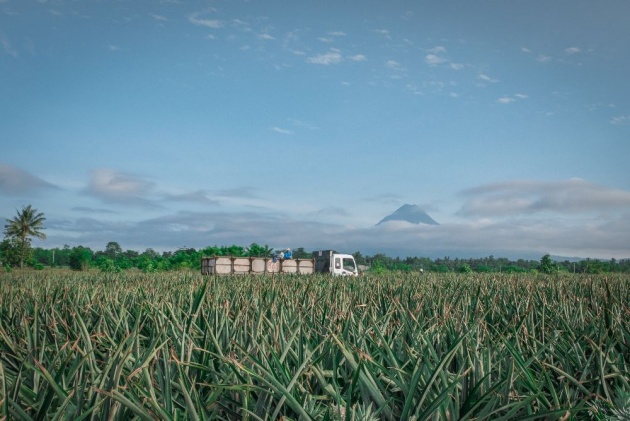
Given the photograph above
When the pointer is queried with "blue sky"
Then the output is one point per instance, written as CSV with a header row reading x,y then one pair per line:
x,y
167,124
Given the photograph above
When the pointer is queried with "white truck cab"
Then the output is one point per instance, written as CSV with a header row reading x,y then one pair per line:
x,y
329,261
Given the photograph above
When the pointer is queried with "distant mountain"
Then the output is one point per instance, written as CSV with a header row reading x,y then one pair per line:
x,y
410,213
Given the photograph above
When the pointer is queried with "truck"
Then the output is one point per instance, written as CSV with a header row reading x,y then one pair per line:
x,y
323,261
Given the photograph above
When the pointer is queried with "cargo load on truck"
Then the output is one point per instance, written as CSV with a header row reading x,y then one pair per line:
x,y
324,261
227,265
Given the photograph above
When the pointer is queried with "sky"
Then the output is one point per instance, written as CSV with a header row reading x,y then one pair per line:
x,y
175,123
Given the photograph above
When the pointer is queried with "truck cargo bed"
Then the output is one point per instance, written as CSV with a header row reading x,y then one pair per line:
x,y
228,265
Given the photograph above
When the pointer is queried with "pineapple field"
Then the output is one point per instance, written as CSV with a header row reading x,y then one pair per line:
x,y
179,346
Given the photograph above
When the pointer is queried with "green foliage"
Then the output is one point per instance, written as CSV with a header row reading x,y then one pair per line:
x,y
185,259
28,223
113,250
514,269
55,257
11,251
547,265
107,265
254,250
619,409
358,258
149,268
465,269
596,266
440,268
378,267
300,253
80,258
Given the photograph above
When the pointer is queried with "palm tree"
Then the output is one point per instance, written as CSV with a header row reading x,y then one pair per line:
x,y
27,223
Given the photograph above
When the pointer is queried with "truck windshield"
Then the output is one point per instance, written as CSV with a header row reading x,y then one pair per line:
x,y
348,264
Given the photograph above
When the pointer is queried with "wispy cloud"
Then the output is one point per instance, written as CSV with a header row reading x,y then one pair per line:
x,y
332,57
505,100
543,58
527,197
435,56
15,181
383,32
239,192
510,99
485,78
118,187
572,50
281,130
199,196
357,57
393,64
196,18
87,209
433,59
266,37
332,211
6,45
396,69
620,120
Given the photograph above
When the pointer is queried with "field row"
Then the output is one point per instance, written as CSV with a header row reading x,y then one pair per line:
x,y
182,346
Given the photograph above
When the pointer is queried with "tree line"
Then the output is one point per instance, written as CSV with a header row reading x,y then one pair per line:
x,y
546,264
114,259
16,251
